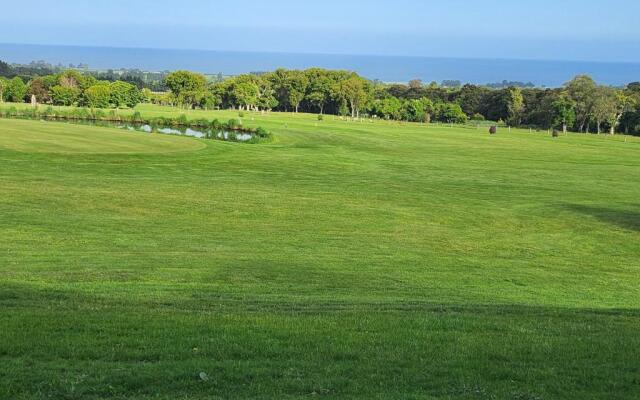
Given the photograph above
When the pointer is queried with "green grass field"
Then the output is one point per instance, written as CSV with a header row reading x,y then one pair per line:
x,y
341,260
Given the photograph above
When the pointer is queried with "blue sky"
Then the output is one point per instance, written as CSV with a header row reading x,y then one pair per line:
x,y
542,29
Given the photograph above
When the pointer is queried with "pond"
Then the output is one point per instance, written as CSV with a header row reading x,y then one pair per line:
x,y
196,132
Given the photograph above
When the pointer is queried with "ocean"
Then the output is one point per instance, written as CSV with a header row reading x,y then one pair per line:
x,y
384,68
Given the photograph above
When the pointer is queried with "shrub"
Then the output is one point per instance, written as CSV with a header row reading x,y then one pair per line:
x,y
241,114
261,132
31,113
155,122
113,116
201,122
137,117
99,114
182,120
82,113
320,117
233,124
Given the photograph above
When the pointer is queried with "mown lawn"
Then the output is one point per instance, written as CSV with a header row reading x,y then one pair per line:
x,y
341,260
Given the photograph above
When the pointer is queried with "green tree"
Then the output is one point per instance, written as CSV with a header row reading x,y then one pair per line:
x,y
631,118
64,95
582,90
186,87
266,95
355,91
16,90
98,96
288,87
50,81
417,110
124,94
451,113
624,104
319,90
563,112
3,88
5,69
245,94
279,80
38,88
471,98
71,79
539,109
210,101
145,95
515,105
298,83
389,108
604,106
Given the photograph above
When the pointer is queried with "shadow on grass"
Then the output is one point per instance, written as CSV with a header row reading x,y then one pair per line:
x,y
28,296
625,219
66,343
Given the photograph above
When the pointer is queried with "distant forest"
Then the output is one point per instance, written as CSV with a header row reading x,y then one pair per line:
x,y
580,105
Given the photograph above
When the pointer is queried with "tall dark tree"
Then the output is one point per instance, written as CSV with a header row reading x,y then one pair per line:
x,y
5,69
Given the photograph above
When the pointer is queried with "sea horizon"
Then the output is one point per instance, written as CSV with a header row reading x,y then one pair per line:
x,y
386,68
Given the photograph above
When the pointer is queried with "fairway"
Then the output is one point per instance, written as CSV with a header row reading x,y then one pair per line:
x,y
340,260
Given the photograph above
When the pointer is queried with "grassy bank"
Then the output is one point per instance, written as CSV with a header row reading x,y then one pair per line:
x,y
340,260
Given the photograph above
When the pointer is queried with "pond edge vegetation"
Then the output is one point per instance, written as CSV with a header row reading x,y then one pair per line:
x,y
79,115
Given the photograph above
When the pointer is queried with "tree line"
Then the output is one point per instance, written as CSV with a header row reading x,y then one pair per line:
x,y
153,81
580,105
70,88
313,90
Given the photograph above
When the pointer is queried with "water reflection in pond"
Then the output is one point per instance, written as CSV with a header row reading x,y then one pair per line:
x,y
201,133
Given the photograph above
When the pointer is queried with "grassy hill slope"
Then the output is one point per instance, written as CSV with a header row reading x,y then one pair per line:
x,y
341,260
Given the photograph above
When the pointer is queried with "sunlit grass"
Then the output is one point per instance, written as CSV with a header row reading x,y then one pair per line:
x,y
343,259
